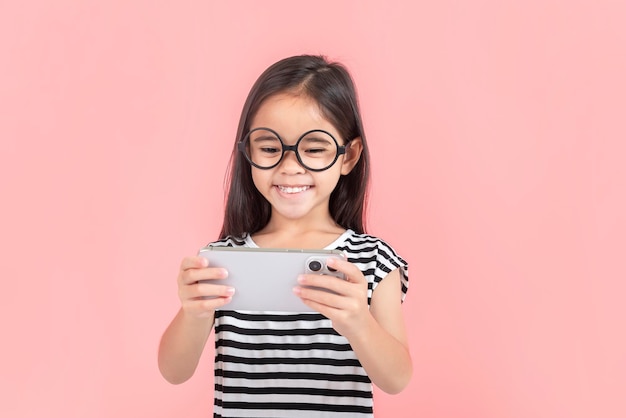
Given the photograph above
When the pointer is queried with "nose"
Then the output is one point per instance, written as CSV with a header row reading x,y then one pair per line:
x,y
290,164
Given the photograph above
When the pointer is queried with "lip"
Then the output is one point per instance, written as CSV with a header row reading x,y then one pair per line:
x,y
292,189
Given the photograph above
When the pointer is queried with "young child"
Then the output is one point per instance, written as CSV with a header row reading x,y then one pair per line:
x,y
298,179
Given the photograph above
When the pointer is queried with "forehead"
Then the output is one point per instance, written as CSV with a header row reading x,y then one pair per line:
x,y
291,115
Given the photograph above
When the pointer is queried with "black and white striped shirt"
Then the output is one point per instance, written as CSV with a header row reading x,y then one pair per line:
x,y
286,365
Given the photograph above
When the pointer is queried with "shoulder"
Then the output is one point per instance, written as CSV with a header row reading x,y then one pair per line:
x,y
229,241
360,244
376,258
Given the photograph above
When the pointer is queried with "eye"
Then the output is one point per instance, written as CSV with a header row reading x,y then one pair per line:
x,y
315,150
265,144
269,150
317,145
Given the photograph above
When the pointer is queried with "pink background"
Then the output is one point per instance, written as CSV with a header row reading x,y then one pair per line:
x,y
497,130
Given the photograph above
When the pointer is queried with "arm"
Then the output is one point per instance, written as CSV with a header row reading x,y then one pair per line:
x,y
381,345
181,346
377,334
184,339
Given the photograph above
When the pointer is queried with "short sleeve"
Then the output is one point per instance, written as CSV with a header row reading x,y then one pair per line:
x,y
388,260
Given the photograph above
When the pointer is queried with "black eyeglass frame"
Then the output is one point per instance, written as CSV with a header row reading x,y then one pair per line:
x,y
241,146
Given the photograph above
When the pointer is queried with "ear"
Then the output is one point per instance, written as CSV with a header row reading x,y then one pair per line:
x,y
352,156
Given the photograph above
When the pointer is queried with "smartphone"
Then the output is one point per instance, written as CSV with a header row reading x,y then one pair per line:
x,y
263,278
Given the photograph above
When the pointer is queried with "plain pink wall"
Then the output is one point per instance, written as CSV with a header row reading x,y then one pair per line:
x,y
497,132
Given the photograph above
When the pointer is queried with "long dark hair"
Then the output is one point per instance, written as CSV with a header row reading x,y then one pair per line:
x,y
330,85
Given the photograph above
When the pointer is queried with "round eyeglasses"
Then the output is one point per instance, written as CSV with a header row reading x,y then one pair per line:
x,y
316,150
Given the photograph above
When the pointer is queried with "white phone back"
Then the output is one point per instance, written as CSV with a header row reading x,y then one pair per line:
x,y
264,278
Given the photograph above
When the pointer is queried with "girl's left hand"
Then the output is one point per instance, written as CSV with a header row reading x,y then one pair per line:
x,y
347,306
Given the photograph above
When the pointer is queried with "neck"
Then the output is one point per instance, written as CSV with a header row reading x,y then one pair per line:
x,y
289,233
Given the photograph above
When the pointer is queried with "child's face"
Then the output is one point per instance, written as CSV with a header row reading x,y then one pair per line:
x,y
294,192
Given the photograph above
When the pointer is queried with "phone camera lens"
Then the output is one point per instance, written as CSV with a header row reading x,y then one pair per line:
x,y
332,270
315,265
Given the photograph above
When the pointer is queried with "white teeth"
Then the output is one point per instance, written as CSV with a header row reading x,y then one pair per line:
x,y
293,189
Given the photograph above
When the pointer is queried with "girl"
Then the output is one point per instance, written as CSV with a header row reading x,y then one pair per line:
x,y
298,179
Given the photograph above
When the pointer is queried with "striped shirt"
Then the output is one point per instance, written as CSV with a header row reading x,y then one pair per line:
x,y
287,365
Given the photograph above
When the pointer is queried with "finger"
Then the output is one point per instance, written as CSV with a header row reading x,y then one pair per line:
x,y
350,271
206,305
192,276
321,297
213,304
331,283
213,290
205,291
327,311
194,262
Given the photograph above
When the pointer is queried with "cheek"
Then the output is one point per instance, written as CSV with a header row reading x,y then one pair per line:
x,y
332,179
260,179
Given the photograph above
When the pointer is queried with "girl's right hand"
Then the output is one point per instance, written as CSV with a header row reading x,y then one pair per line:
x,y
199,294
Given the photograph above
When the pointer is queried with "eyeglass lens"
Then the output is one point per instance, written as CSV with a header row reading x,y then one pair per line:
x,y
315,150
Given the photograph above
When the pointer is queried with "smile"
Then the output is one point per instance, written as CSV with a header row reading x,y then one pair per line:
x,y
299,189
